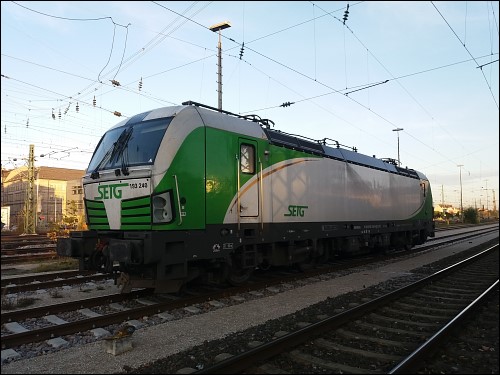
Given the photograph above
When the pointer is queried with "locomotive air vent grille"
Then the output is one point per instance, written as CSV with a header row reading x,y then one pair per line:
x,y
136,213
96,214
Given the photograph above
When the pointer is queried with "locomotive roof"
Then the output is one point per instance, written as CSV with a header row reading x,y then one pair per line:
x,y
226,120
320,147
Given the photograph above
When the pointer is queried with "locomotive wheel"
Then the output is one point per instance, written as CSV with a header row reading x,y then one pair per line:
x,y
100,262
97,260
265,266
238,276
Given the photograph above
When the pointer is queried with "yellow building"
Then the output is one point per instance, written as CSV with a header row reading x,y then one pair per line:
x,y
56,190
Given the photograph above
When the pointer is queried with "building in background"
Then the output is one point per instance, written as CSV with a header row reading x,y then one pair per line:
x,y
58,192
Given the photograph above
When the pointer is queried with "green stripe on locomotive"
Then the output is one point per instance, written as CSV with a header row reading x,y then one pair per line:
x,y
427,211
206,201
188,167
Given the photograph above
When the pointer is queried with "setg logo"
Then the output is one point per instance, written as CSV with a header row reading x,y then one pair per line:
x,y
296,210
109,191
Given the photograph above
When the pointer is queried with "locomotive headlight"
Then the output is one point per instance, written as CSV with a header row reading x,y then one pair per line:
x,y
162,208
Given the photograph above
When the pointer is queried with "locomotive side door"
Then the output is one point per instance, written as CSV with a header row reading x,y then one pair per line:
x,y
248,183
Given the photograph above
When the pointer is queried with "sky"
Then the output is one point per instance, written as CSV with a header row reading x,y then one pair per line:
x,y
352,72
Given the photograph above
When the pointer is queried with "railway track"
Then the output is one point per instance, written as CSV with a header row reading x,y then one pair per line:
x,y
134,307
30,249
18,241
137,306
26,248
30,257
46,281
391,333
472,349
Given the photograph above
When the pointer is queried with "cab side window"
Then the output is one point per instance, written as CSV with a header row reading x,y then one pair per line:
x,y
247,158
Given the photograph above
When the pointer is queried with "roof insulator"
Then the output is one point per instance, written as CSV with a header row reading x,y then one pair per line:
x,y
242,50
346,14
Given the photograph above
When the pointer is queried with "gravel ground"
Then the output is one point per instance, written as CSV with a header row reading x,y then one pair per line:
x,y
455,359
193,341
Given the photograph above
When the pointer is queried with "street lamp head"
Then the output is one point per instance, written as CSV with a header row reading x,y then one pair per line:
x,y
397,129
220,26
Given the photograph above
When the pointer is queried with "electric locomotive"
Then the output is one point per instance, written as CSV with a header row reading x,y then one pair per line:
x,y
191,191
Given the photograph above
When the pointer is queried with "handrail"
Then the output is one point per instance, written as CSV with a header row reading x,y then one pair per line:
x,y
261,197
238,205
178,199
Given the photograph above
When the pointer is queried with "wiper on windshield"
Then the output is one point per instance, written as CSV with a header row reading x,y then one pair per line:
x,y
124,154
114,152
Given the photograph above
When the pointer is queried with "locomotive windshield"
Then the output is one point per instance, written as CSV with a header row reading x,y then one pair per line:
x,y
129,145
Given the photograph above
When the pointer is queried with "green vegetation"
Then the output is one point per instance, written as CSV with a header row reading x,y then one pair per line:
x,y
471,216
59,265
11,303
55,293
25,301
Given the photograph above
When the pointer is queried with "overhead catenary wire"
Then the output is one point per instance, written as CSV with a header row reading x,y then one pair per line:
x,y
487,83
101,18
84,20
250,59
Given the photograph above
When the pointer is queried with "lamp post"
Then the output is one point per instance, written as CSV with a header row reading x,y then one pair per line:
x,y
397,130
218,27
461,202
